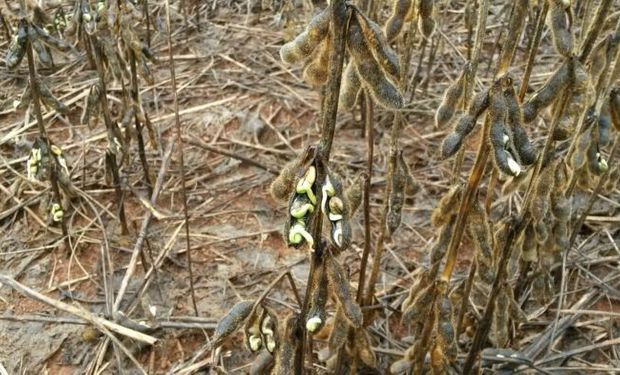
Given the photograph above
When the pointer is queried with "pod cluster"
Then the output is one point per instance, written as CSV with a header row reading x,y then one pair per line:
x,y
506,135
369,52
298,182
403,11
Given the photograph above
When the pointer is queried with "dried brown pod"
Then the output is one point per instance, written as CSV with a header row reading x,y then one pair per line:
x,y
262,364
17,48
528,244
25,98
339,287
612,180
363,348
301,48
426,21
232,321
396,199
441,246
418,309
353,195
394,25
480,232
445,328
282,187
446,207
579,157
378,45
604,125
375,79
451,98
420,283
45,58
350,87
598,60
50,100
498,136
315,72
51,41
466,123
583,93
285,354
339,333
317,313
501,318
541,198
514,120
558,23
561,79
92,108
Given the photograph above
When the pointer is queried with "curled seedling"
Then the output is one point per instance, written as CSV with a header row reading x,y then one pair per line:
x,y
302,47
451,98
374,77
302,205
402,10
252,330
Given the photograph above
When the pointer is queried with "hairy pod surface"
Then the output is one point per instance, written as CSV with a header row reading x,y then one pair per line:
x,y
282,187
379,46
350,87
446,207
522,144
262,364
480,232
316,72
548,92
285,354
426,22
374,77
339,286
558,23
353,194
232,321
301,48
498,137
464,126
394,25
450,100
317,314
17,48
441,246
396,200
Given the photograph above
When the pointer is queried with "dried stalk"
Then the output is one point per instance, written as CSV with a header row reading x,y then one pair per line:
x,y
177,122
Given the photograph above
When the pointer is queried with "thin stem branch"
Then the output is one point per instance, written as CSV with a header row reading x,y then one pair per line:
x,y
177,122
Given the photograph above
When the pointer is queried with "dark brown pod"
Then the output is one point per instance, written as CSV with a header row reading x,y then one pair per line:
x,y
379,46
558,23
450,100
394,25
317,314
546,94
396,199
231,321
514,120
466,123
498,137
301,48
287,344
262,364
374,78
17,48
350,88
426,23
339,286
